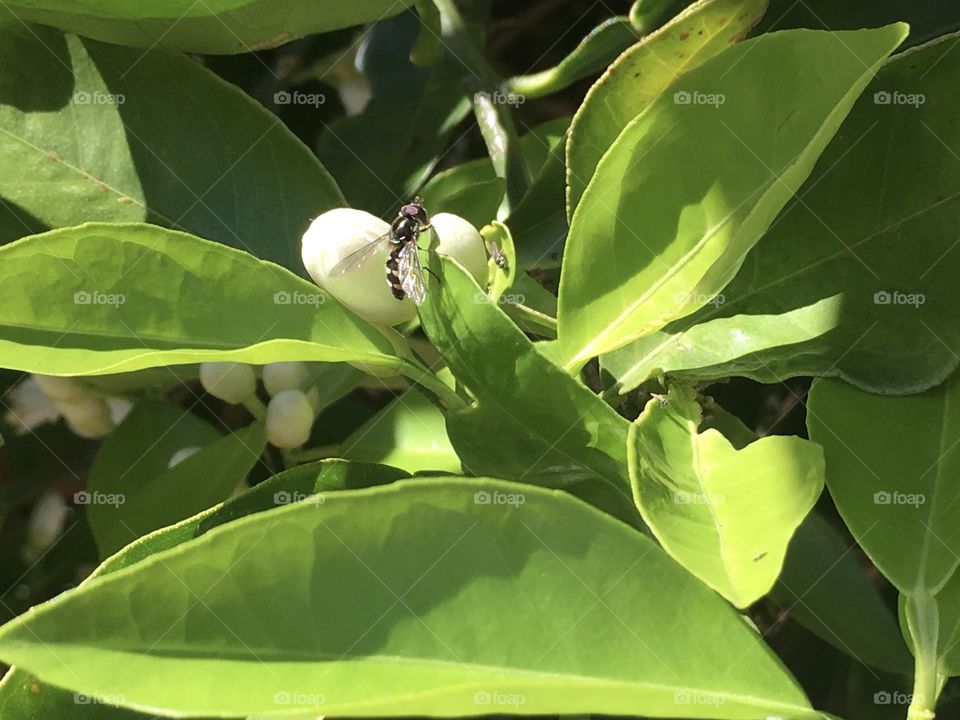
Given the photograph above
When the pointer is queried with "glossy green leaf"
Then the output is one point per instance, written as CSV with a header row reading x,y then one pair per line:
x,y
531,422
727,515
892,469
215,26
827,590
390,636
597,50
642,73
539,221
869,296
695,180
24,697
948,605
90,131
133,457
133,468
747,345
102,298
382,156
409,433
471,190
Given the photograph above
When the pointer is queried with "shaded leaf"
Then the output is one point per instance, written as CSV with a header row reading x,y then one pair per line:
x,y
392,637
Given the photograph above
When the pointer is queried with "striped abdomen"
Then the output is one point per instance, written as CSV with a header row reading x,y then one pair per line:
x,y
393,272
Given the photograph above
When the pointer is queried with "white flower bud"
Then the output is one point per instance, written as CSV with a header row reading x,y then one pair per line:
x,y
339,233
67,389
45,525
280,376
460,240
289,419
232,382
89,418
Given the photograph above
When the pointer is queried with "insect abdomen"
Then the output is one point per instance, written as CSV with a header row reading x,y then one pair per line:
x,y
393,273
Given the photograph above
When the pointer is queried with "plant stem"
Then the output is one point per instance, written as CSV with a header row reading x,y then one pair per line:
x,y
923,625
493,116
412,370
255,407
310,454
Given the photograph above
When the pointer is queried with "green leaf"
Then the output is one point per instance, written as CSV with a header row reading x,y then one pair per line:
x,y
24,697
133,457
90,131
892,469
868,296
381,156
726,515
597,50
389,636
538,221
409,433
757,346
689,187
948,646
133,468
428,49
644,14
827,590
531,422
471,190
101,298
642,73
223,26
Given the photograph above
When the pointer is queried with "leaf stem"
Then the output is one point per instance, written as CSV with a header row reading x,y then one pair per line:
x,y
255,407
417,373
491,103
923,625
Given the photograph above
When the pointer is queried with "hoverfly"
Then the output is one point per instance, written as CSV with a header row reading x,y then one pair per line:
x,y
404,271
499,259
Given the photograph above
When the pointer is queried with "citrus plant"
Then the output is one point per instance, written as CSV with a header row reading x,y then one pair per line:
x,y
442,358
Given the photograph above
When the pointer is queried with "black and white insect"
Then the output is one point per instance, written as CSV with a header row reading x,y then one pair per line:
x,y
404,271
499,259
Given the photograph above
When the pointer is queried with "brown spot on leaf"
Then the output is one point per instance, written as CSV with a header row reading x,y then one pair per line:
x,y
684,36
54,156
35,688
124,199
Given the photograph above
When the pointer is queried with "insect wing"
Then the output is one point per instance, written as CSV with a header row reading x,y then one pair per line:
x,y
411,273
358,257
